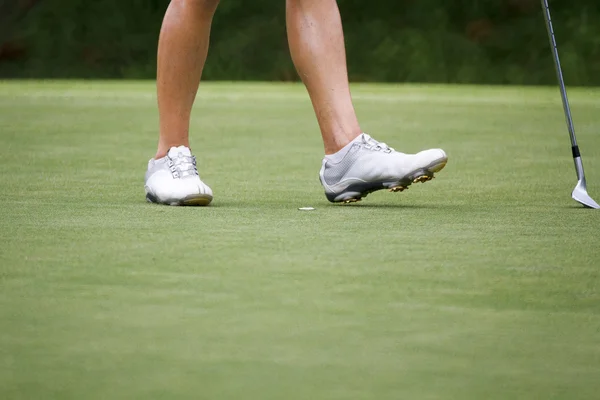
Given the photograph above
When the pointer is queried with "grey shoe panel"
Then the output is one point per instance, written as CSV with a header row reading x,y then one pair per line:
x,y
334,173
180,167
364,164
155,165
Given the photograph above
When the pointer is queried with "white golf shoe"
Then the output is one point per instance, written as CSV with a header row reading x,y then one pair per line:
x,y
369,165
174,180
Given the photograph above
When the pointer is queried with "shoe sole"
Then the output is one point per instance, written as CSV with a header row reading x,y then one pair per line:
x,y
358,191
197,200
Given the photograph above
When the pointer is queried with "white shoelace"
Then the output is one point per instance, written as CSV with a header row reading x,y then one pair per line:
x,y
182,166
373,144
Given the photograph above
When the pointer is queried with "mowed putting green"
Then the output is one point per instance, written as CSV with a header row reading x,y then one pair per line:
x,y
481,284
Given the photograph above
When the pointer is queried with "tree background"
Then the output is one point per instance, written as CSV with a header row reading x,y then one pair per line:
x,y
459,41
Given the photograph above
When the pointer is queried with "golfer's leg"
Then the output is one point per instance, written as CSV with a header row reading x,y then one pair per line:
x,y
317,46
182,50
172,176
316,42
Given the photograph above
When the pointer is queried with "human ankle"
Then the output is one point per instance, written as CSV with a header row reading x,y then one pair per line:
x,y
163,150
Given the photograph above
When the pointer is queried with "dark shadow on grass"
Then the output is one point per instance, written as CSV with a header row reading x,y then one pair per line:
x,y
168,207
578,207
250,205
392,206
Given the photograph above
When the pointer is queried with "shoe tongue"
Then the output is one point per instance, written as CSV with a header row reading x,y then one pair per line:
x,y
181,150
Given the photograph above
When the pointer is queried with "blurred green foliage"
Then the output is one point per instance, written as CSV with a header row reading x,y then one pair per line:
x,y
486,41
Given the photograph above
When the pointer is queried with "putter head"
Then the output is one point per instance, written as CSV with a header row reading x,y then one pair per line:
x,y
580,195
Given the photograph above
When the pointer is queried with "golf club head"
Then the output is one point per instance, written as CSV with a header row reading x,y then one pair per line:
x,y
580,195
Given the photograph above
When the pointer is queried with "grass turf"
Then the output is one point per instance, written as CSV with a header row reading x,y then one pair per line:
x,y
481,284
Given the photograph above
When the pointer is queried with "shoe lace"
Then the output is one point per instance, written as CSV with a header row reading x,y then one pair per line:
x,y
182,165
372,144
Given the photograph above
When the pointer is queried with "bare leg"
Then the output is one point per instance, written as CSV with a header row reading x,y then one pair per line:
x,y
182,51
316,42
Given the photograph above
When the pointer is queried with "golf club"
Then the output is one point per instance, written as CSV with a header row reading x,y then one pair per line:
x,y
580,192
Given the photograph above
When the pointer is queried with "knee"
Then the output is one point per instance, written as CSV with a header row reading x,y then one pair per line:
x,y
200,5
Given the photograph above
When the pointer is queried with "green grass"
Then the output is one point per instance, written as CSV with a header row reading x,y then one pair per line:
x,y
482,284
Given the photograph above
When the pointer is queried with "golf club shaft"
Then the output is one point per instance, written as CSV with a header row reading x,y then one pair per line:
x,y
561,83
